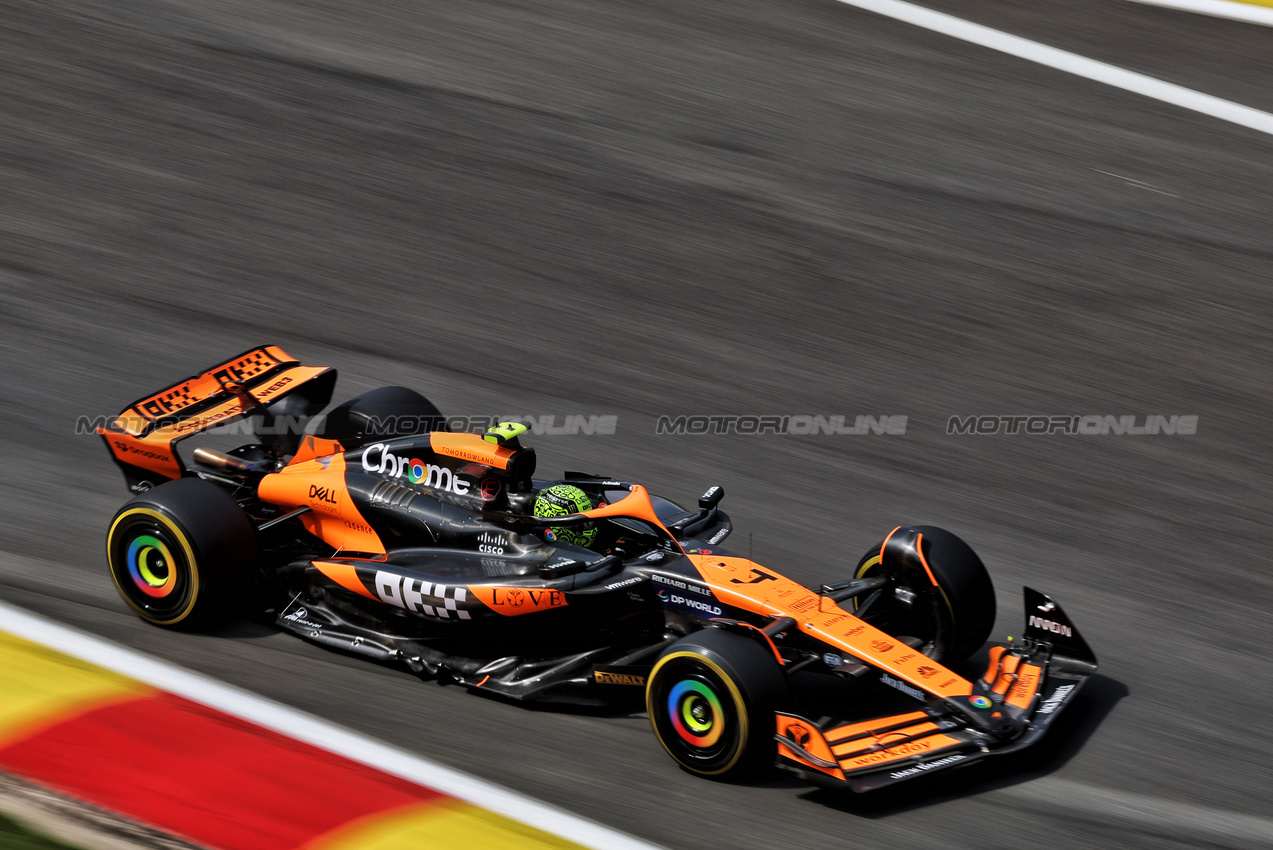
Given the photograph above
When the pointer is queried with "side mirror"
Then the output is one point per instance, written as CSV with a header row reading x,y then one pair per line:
x,y
711,498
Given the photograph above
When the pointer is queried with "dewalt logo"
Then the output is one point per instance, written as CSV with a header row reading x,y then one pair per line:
x,y
603,678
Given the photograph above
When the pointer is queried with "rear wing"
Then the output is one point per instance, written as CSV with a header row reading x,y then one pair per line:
x,y
143,438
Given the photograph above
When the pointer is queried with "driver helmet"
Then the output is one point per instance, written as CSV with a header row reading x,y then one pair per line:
x,y
561,500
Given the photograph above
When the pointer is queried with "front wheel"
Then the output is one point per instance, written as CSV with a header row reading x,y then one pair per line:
x,y
938,592
711,699
183,555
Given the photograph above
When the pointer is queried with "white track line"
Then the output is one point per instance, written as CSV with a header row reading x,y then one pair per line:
x,y
1071,63
305,727
1219,9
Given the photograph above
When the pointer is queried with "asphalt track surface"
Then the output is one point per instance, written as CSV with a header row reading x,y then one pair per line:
x,y
645,208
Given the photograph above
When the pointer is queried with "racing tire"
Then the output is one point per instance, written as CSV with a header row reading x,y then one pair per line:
x,y
952,619
711,698
382,414
184,555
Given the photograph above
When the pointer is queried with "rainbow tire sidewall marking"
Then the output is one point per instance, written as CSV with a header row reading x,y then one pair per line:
x,y
153,565
697,712
148,557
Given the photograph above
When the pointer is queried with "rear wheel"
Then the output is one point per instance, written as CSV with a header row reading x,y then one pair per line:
x,y
183,555
938,592
711,699
382,414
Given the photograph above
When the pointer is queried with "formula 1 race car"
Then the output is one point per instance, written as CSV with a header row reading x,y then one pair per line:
x,y
381,533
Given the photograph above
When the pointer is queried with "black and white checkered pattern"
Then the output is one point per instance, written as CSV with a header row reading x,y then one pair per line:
x,y
433,600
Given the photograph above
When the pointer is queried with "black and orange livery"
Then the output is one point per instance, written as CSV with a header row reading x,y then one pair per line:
x,y
376,531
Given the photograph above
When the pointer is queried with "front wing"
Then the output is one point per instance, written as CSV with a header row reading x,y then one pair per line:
x,y
1026,685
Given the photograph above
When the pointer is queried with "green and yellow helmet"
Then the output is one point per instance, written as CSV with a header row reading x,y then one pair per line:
x,y
562,500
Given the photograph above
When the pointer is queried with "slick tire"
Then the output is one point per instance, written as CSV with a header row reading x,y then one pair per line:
x,y
954,618
184,555
382,414
711,698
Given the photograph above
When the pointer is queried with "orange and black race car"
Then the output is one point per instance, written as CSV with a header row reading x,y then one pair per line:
x,y
383,534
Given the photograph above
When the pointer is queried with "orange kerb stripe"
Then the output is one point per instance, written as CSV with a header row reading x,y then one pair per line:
x,y
218,781
40,688
450,825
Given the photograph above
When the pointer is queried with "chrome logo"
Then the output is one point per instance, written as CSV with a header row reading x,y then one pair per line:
x,y
696,713
151,566
416,471
979,702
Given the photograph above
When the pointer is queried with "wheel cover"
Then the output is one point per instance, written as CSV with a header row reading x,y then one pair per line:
x,y
152,565
697,712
